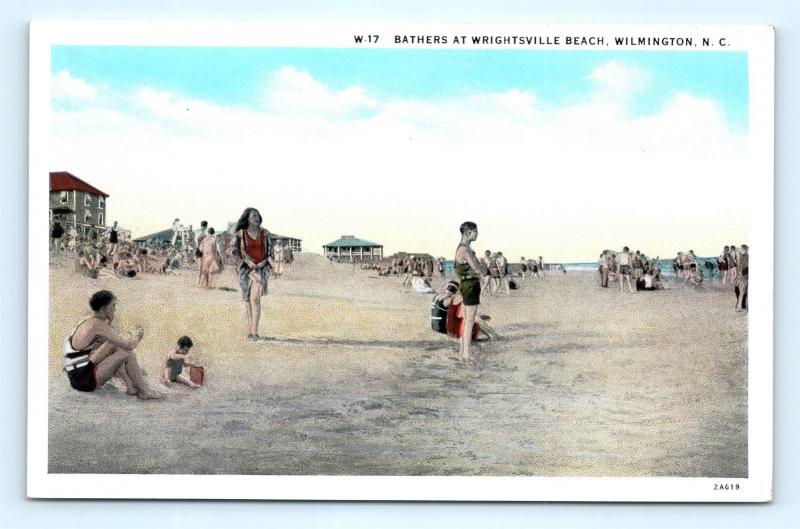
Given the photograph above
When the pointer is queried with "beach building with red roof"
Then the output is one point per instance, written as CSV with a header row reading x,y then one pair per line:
x,y
77,203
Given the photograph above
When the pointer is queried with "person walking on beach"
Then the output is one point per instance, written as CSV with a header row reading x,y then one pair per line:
x,y
210,259
637,262
605,268
440,266
733,264
740,289
502,267
743,258
492,278
722,264
468,272
540,264
73,243
624,263
203,230
252,249
176,227
113,239
56,232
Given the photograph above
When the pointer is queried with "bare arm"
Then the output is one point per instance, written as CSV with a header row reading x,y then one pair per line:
x,y
176,355
104,331
469,258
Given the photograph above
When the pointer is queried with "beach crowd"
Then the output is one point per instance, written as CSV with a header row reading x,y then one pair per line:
x,y
94,352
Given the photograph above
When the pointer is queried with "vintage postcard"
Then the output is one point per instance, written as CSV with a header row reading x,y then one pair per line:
x,y
400,261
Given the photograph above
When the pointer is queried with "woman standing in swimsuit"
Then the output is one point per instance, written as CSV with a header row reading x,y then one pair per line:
x,y
113,239
94,352
468,272
252,248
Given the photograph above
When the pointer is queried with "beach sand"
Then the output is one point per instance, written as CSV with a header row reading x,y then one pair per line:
x,y
584,382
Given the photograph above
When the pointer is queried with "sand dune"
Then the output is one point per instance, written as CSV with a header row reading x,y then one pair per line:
x,y
584,382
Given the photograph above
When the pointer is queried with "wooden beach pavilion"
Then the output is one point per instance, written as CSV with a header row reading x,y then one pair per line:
x,y
351,248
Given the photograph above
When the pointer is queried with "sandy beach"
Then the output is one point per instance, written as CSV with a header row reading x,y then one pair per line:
x,y
584,381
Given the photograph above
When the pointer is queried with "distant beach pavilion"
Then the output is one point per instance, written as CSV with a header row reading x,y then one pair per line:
x,y
351,248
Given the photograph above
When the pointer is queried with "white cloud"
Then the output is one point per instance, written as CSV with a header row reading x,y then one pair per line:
x,y
72,89
558,181
618,81
293,92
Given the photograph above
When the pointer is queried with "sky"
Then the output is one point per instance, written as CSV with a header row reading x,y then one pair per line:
x,y
553,153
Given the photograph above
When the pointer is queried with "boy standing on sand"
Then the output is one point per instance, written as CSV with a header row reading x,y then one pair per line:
x,y
468,272
624,262
502,267
605,267
176,227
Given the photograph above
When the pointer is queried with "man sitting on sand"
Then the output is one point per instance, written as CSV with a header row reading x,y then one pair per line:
x,y
94,353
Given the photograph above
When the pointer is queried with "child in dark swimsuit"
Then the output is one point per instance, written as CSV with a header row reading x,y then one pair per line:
x,y
175,362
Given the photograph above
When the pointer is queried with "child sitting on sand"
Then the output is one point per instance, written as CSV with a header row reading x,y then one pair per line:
x,y
695,275
176,360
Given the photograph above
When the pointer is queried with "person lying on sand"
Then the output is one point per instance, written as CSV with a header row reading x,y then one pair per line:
x,y
176,359
422,285
94,353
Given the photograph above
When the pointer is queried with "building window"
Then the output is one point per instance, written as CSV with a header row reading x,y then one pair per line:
x,y
87,200
63,197
87,216
101,202
100,218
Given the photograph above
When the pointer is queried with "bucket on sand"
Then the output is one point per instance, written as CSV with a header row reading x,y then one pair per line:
x,y
196,375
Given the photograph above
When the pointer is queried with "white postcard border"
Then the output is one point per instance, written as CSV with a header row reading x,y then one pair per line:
x,y
758,41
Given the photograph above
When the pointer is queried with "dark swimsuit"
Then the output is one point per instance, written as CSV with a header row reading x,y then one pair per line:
x,y
175,368
439,316
82,374
469,285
